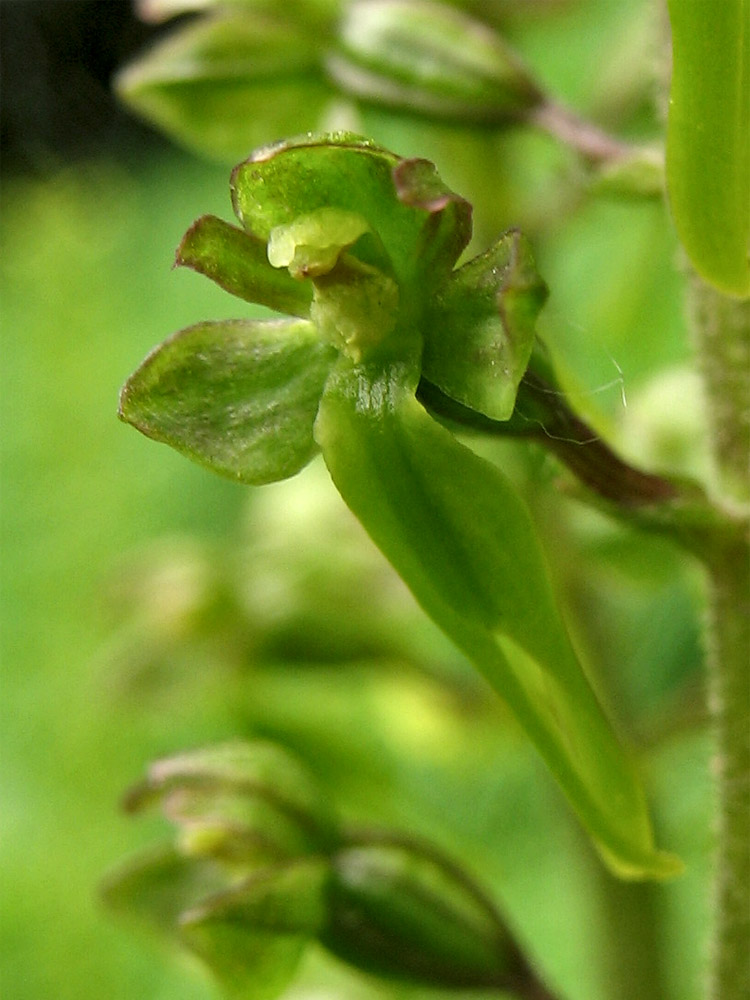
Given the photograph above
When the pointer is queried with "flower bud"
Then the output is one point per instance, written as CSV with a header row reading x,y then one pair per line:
x,y
400,910
238,802
224,83
432,59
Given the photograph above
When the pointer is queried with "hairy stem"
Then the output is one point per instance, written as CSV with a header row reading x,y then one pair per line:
x,y
722,328
591,459
729,704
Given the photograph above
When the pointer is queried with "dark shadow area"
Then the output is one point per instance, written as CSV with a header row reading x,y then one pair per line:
x,y
57,58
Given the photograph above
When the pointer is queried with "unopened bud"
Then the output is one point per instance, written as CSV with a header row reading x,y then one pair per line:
x,y
238,801
432,59
400,910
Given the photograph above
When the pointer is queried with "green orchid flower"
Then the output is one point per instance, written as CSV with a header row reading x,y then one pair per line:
x,y
358,247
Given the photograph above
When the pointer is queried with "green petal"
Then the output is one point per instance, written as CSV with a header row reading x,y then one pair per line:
x,y
253,935
238,396
343,171
238,262
255,787
480,330
156,886
463,541
708,138
448,231
227,83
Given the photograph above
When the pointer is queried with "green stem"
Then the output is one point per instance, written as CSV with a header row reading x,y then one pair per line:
x,y
722,327
587,139
729,704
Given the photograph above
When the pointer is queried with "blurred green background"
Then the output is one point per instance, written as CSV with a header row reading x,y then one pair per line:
x,y
148,606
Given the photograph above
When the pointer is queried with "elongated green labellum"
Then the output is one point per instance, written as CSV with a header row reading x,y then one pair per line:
x,y
463,541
